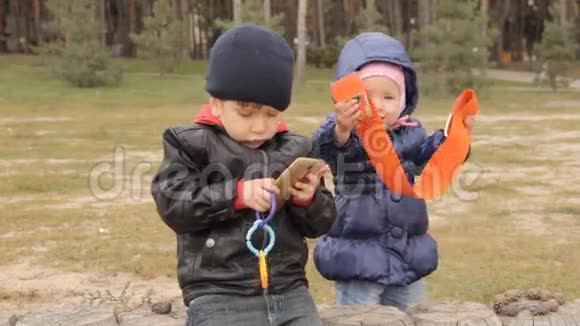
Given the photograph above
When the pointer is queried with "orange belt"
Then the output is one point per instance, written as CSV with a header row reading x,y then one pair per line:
x,y
443,166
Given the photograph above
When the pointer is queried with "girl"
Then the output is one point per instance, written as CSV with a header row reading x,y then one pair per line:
x,y
378,250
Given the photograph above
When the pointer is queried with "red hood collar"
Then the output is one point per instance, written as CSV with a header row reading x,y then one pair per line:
x,y
207,118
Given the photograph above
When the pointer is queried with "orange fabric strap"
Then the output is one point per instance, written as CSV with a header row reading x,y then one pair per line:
x,y
444,165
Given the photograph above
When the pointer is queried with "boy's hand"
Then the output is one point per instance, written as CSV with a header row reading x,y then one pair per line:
x,y
304,189
469,123
347,115
256,194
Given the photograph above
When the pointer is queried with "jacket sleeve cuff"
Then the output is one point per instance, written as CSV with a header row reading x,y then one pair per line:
x,y
302,203
238,200
342,147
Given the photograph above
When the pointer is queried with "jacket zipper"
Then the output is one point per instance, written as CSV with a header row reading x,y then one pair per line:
x,y
265,156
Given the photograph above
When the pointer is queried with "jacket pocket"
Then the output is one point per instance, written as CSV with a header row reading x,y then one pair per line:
x,y
423,256
224,247
189,252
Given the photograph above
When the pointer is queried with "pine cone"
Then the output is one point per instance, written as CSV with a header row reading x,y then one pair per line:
x,y
538,308
534,294
545,295
514,294
560,298
512,310
499,301
553,305
498,308
161,308
541,302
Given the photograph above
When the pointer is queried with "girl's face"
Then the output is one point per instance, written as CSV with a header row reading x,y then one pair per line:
x,y
386,95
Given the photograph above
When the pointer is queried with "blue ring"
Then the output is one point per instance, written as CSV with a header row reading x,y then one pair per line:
x,y
271,235
396,197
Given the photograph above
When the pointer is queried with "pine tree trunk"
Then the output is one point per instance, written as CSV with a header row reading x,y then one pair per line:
x,y
503,15
291,15
126,25
2,25
301,27
129,45
371,4
484,6
196,33
147,8
182,12
238,12
37,12
267,13
103,20
397,20
424,13
517,33
563,9
349,10
188,27
19,29
434,6
321,32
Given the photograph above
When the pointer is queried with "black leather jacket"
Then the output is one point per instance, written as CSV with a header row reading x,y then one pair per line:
x,y
194,191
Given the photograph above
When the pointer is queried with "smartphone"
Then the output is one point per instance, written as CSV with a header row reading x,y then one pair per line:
x,y
296,171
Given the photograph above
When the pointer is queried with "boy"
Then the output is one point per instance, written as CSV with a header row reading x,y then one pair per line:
x,y
218,172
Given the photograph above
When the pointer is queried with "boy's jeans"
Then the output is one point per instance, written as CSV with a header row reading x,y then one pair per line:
x,y
363,292
293,308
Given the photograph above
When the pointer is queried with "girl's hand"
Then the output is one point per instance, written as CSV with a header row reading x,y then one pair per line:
x,y
347,115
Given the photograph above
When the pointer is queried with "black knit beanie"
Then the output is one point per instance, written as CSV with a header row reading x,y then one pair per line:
x,y
250,63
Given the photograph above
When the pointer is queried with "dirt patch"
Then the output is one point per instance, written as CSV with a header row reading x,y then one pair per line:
x,y
560,151
19,199
40,173
27,285
147,156
530,222
127,196
44,132
68,140
52,161
35,119
504,174
561,104
307,119
549,137
495,118
438,220
534,190
526,117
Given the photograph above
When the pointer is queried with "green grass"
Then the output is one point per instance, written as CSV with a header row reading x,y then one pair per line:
x,y
53,135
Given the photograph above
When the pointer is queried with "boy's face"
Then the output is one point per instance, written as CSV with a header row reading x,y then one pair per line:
x,y
247,123
386,95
